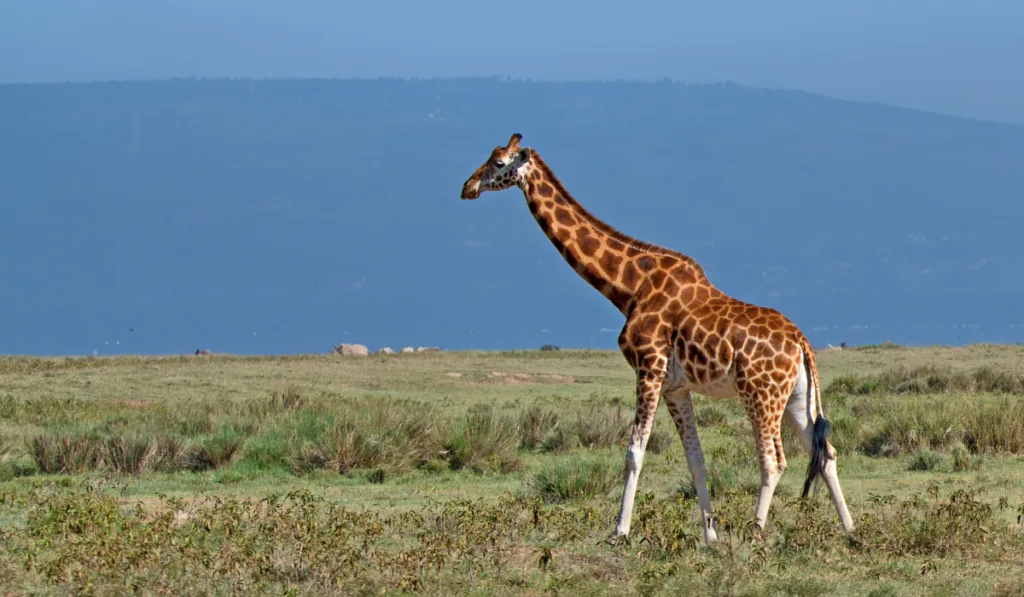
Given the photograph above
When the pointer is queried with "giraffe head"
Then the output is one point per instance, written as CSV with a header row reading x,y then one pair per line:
x,y
503,169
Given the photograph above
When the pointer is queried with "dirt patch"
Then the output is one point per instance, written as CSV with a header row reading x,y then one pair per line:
x,y
518,378
525,557
512,378
563,378
152,507
598,568
453,374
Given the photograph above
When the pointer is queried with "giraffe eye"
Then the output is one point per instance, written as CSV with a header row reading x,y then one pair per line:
x,y
499,164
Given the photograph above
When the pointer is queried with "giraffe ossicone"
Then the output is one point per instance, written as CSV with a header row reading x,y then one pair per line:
x,y
681,335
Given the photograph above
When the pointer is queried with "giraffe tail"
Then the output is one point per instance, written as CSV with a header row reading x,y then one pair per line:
x,y
820,427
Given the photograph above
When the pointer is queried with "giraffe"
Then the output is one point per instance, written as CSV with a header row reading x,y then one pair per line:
x,y
681,335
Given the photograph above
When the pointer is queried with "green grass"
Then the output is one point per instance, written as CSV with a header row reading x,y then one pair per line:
x,y
575,480
492,473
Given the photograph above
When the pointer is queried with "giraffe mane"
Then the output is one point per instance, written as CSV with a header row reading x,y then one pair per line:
x,y
608,229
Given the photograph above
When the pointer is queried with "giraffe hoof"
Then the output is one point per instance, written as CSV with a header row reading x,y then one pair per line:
x,y
855,542
616,540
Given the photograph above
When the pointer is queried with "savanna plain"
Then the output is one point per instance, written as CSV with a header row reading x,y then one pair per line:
x,y
485,473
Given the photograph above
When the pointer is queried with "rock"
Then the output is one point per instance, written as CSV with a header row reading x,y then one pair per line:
x,y
386,350
202,351
352,350
407,349
549,347
428,349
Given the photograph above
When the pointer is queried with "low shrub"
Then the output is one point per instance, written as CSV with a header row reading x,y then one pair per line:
x,y
576,480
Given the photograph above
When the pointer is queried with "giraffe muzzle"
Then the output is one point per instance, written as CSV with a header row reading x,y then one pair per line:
x,y
471,190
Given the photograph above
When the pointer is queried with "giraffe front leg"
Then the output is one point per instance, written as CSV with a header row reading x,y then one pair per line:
x,y
680,407
647,393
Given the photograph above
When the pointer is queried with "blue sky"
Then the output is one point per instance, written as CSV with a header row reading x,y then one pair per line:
x,y
954,57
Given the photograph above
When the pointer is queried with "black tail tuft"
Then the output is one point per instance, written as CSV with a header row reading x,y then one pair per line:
x,y
819,455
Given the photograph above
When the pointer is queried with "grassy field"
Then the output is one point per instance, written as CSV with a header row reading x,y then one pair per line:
x,y
493,473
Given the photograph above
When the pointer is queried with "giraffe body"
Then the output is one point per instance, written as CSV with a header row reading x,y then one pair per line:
x,y
681,335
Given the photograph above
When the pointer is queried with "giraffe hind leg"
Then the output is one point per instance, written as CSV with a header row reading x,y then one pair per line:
x,y
766,420
799,414
680,407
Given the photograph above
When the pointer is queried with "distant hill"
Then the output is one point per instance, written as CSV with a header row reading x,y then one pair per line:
x,y
291,215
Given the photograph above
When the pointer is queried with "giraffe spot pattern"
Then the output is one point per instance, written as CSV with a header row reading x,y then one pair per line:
x,y
681,334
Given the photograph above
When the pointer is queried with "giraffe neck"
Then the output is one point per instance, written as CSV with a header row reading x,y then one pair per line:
x,y
614,263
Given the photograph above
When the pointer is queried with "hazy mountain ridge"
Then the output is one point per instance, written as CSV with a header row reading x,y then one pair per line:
x,y
201,211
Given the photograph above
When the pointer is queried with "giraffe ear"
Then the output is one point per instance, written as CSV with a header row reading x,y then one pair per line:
x,y
524,156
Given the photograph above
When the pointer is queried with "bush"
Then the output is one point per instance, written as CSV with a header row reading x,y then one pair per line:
x,y
128,455
484,442
894,427
600,430
910,425
169,454
576,480
6,448
926,460
537,426
195,421
997,427
591,429
963,460
66,454
711,416
929,379
213,452
920,527
372,434
79,538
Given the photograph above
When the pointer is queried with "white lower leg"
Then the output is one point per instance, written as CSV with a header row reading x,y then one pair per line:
x,y
706,514
832,482
647,395
764,499
699,472
634,462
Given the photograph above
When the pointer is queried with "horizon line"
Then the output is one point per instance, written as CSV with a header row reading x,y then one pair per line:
x,y
666,80
827,347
